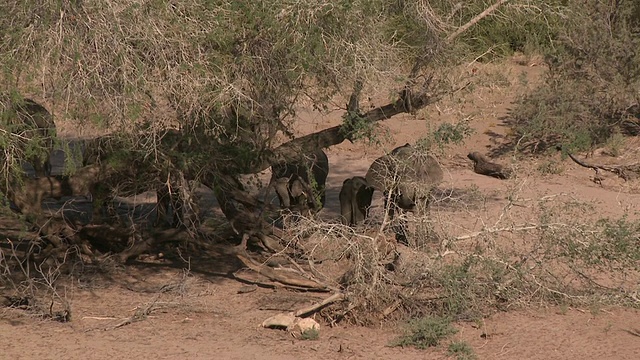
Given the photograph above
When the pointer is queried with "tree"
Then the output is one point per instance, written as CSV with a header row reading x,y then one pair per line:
x,y
206,90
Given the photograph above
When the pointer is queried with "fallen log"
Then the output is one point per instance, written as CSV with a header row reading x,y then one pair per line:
x,y
482,166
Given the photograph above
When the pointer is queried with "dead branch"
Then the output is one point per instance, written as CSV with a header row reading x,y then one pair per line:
x,y
140,314
482,166
315,307
291,278
297,148
265,283
475,20
506,229
625,172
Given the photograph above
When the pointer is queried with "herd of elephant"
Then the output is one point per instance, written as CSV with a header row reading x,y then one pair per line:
x,y
406,177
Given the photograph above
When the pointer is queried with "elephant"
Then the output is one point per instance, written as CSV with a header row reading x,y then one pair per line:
x,y
32,122
302,185
175,207
175,202
404,176
355,200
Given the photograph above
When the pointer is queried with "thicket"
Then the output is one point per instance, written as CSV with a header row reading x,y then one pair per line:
x,y
207,91
592,88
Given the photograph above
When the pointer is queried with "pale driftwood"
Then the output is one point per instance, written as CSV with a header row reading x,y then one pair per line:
x,y
289,278
296,322
295,326
315,307
279,321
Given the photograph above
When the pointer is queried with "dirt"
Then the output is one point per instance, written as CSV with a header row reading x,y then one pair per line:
x,y
199,314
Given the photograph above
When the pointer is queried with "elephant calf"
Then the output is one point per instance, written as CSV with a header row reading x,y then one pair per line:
x,y
405,175
355,200
32,122
302,185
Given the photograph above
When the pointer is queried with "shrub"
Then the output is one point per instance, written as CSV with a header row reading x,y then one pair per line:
x,y
593,79
426,332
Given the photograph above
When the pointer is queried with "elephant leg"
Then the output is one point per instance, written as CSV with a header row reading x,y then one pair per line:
x,y
310,195
400,229
390,203
282,190
41,168
178,210
346,202
363,199
297,193
163,202
47,167
346,213
168,207
399,225
185,209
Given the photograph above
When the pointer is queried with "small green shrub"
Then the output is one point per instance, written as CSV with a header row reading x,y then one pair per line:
x,y
446,134
426,332
461,350
615,144
529,30
550,167
311,334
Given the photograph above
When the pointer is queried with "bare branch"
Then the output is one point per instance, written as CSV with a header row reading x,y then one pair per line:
x,y
473,21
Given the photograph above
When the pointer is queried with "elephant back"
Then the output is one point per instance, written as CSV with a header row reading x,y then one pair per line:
x,y
28,118
316,164
406,167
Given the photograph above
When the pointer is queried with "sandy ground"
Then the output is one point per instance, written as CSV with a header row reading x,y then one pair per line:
x,y
205,317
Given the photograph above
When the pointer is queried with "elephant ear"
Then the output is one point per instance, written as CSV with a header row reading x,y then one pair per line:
x,y
297,189
419,166
382,174
415,169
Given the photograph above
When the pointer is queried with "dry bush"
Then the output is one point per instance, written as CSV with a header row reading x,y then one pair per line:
x,y
38,287
227,67
551,250
593,81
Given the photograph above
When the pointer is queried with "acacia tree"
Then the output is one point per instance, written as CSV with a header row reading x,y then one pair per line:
x,y
227,75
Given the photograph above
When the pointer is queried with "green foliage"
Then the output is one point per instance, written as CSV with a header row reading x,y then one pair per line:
x,y
617,245
426,332
551,167
615,144
310,334
461,350
445,135
357,128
